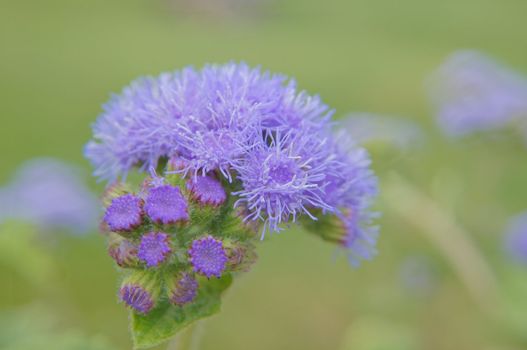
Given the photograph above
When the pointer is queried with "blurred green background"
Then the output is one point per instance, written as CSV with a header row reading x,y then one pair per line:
x,y
60,60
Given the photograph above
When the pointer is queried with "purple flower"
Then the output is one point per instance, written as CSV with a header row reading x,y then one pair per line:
x,y
207,256
207,190
299,112
350,187
184,290
137,298
283,176
154,248
50,194
209,117
137,126
472,92
166,205
274,144
349,181
515,239
124,213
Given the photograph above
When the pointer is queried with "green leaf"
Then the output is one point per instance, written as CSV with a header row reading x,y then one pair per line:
x,y
167,320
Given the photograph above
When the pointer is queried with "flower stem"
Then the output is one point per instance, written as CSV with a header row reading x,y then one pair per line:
x,y
450,238
187,339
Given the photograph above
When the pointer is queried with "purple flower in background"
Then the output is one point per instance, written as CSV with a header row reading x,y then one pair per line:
x,y
472,92
154,248
124,213
137,298
515,239
366,127
166,205
207,190
207,256
50,194
184,290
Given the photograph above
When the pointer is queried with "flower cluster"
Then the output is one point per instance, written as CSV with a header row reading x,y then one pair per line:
x,y
168,234
472,92
239,151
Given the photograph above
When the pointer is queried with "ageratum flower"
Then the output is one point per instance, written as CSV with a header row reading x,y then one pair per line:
x,y
209,117
283,177
472,92
350,188
238,151
137,126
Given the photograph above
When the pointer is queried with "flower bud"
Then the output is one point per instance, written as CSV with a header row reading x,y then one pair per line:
x,y
166,205
207,190
124,213
123,251
182,288
207,256
154,248
240,256
140,291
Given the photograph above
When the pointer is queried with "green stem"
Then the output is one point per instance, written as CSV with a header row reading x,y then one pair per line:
x,y
187,339
450,238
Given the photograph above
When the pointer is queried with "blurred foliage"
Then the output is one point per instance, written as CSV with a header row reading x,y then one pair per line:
x,y
61,59
35,328
372,334
20,253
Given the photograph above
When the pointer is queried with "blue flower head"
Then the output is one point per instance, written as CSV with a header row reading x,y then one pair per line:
x,y
239,151
207,256
154,248
124,213
166,205
283,177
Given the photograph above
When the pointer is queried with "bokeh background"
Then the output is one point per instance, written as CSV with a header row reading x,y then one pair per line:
x,y
60,60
